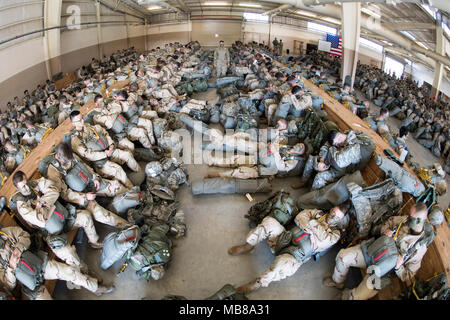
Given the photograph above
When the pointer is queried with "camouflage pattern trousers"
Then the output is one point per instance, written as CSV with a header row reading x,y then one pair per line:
x,y
269,229
55,270
352,257
285,265
221,69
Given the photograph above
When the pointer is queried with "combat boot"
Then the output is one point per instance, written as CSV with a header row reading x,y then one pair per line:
x,y
303,183
249,287
329,282
237,250
104,289
96,245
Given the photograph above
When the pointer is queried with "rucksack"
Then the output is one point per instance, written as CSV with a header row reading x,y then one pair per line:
x,y
279,206
153,250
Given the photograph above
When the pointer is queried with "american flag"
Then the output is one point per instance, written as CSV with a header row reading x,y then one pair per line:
x,y
336,44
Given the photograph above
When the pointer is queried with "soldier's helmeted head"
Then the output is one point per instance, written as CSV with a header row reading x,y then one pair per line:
x,y
20,182
297,91
403,132
337,214
9,145
28,124
384,113
298,149
98,100
77,120
281,124
122,95
336,138
417,217
64,154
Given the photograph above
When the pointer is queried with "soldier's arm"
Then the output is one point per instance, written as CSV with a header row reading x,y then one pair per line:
x,y
407,271
282,164
304,217
324,151
91,155
216,54
50,192
102,131
344,157
19,236
54,175
323,233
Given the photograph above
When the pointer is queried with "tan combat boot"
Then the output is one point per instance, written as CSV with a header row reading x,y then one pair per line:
x,y
249,287
329,282
303,183
104,289
244,248
96,245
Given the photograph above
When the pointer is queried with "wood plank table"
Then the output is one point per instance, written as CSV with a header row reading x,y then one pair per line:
x,y
437,258
66,81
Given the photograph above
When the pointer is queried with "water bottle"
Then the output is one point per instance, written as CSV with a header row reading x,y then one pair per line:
x,y
403,154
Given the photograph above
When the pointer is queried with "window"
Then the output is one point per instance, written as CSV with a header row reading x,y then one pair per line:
x,y
392,66
322,28
371,44
408,61
255,16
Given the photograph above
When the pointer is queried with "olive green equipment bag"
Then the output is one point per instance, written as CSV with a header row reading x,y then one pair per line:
x,y
152,253
279,206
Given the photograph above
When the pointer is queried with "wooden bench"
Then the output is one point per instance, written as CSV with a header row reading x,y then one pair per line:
x,y
437,258
30,165
66,81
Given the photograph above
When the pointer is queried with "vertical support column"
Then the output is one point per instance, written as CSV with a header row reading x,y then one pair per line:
x,y
145,35
439,67
99,31
351,25
127,31
52,38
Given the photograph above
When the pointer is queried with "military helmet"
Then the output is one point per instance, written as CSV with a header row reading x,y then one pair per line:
x,y
436,216
153,169
441,187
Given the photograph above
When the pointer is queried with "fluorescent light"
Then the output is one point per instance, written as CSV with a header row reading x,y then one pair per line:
x,y
422,45
409,35
332,20
252,5
306,13
446,29
154,7
371,13
215,3
430,12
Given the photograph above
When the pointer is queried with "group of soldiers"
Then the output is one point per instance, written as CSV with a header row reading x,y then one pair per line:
x,y
126,151
120,166
389,241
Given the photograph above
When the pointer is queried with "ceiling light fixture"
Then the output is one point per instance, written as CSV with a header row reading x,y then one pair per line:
x,y
332,20
422,45
155,7
215,3
252,5
409,35
371,13
306,13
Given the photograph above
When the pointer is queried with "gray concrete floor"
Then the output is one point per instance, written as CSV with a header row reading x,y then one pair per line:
x,y
201,264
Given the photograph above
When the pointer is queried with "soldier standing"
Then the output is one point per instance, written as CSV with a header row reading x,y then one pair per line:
x,y
221,59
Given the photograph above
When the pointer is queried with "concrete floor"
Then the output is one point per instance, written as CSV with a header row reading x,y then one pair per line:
x,y
201,264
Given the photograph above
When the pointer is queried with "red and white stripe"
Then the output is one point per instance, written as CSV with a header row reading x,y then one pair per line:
x,y
337,51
